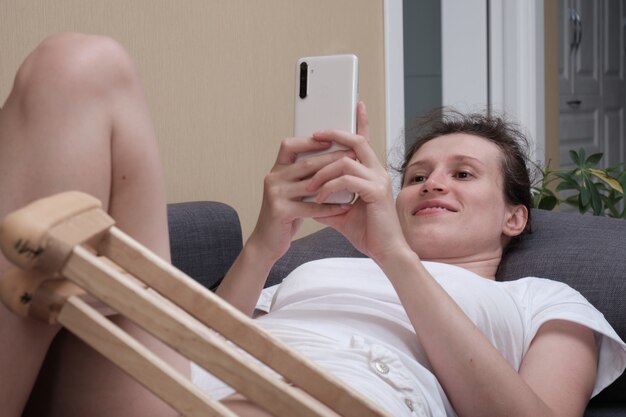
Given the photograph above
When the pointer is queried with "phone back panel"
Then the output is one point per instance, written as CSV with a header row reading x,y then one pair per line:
x,y
332,94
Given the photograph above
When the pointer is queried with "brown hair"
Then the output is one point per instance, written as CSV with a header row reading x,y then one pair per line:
x,y
504,134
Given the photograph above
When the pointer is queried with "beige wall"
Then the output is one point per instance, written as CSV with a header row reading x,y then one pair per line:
x,y
551,60
219,75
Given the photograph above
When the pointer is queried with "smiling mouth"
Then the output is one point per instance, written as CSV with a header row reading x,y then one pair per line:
x,y
425,211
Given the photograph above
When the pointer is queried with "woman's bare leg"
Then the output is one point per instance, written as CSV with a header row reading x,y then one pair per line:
x,y
77,119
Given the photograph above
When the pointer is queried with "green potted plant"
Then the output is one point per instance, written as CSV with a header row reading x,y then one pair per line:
x,y
585,186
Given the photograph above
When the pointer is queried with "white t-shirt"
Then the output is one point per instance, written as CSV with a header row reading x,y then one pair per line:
x,y
344,314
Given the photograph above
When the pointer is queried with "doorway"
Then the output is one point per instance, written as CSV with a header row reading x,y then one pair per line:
x,y
592,92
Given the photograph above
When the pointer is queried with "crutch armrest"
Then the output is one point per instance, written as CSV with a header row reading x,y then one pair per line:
x,y
42,234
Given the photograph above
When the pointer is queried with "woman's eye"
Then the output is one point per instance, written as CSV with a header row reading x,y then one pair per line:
x,y
463,175
417,179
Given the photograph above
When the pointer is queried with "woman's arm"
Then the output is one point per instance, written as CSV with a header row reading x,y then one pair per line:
x,y
561,366
280,217
557,375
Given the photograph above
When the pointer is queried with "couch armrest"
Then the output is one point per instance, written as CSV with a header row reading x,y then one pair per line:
x,y
205,239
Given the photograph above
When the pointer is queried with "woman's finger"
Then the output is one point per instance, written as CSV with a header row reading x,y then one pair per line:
x,y
366,190
343,166
292,182
308,166
315,210
358,143
301,210
362,122
291,147
351,176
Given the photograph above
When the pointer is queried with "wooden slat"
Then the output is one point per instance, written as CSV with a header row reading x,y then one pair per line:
x,y
190,337
134,358
233,325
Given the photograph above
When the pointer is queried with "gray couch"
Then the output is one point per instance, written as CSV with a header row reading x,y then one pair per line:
x,y
588,253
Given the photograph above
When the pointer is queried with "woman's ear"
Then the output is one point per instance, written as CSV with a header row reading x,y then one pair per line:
x,y
516,220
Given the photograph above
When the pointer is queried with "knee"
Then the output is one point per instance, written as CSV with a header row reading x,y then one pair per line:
x,y
76,62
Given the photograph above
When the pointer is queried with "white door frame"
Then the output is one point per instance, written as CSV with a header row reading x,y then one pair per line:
x,y
394,77
514,81
464,72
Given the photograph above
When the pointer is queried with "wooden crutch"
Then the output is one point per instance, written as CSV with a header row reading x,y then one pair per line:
x,y
63,236
57,300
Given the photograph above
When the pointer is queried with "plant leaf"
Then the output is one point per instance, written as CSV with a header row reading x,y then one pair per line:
x,y
610,181
547,203
596,200
567,185
585,197
610,203
622,180
563,175
568,178
593,159
573,155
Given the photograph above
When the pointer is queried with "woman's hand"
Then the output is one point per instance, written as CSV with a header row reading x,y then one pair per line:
x,y
280,217
282,210
371,224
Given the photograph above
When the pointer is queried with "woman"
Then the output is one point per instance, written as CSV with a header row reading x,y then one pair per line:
x,y
463,348
87,128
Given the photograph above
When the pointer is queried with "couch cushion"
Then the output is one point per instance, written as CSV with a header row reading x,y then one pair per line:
x,y
205,239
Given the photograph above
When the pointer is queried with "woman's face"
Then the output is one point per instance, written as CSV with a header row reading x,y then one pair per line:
x,y
452,205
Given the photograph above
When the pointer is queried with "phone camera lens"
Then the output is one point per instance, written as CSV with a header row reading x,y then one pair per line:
x,y
304,73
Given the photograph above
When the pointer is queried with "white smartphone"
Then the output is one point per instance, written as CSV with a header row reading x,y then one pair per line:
x,y
326,98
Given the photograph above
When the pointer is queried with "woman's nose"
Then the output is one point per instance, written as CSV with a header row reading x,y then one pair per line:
x,y
434,184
